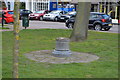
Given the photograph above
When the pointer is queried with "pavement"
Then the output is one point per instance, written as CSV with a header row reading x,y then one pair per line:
x,y
35,24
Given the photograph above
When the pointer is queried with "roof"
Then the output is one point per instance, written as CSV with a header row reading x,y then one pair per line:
x,y
96,13
7,10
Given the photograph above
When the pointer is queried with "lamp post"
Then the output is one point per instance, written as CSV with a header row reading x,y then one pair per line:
x,y
2,19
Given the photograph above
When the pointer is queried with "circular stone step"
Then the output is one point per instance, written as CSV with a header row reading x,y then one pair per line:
x,y
47,56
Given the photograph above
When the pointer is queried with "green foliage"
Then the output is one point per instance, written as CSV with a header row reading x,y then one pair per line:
x,y
22,5
104,45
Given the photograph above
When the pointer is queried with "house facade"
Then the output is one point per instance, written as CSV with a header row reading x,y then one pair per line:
x,y
104,6
35,5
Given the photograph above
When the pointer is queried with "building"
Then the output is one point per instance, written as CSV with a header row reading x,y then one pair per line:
x,y
10,3
104,6
110,7
35,5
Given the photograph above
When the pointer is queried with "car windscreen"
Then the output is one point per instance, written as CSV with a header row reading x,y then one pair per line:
x,y
71,13
39,11
55,12
95,16
25,11
106,16
10,12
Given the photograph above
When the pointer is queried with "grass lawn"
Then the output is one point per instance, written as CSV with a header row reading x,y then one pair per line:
x,y
3,28
104,45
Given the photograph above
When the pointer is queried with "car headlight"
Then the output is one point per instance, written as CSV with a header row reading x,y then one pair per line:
x,y
68,16
44,15
36,14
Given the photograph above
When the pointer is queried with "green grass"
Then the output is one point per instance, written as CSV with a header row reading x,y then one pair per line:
x,y
3,28
104,45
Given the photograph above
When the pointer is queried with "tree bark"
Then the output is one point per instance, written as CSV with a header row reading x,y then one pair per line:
x,y
16,40
80,29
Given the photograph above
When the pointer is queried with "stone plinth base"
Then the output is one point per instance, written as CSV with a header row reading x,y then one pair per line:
x,y
66,53
48,57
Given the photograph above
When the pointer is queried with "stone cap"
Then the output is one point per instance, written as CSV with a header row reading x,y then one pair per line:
x,y
62,39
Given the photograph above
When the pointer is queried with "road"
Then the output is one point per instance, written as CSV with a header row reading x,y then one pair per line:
x,y
115,29
35,24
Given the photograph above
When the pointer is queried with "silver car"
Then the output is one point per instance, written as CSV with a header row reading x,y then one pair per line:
x,y
53,15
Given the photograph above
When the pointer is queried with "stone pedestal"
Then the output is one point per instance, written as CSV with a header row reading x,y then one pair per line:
x,y
62,47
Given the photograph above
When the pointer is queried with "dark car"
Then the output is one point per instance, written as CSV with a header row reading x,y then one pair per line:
x,y
38,15
67,16
97,21
24,11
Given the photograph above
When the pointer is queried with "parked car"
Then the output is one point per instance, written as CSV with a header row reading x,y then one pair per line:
x,y
8,16
97,21
53,15
67,16
24,11
38,15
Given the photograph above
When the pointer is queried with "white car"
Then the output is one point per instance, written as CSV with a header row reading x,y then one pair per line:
x,y
53,15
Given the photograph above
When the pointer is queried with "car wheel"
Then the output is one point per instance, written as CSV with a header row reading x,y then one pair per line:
x,y
41,18
56,19
70,25
98,27
106,29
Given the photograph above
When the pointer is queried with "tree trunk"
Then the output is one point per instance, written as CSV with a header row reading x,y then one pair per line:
x,y
16,40
80,29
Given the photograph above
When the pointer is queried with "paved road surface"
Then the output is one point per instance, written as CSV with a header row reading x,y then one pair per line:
x,y
46,24
34,24
60,25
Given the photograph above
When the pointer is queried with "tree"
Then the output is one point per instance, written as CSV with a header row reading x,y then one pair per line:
x,y
22,5
16,39
80,29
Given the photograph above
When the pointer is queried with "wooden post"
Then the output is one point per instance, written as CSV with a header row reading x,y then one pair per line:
x,y
105,6
116,9
16,40
101,7
108,8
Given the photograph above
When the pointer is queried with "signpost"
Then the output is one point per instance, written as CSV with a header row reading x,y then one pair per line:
x,y
2,19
